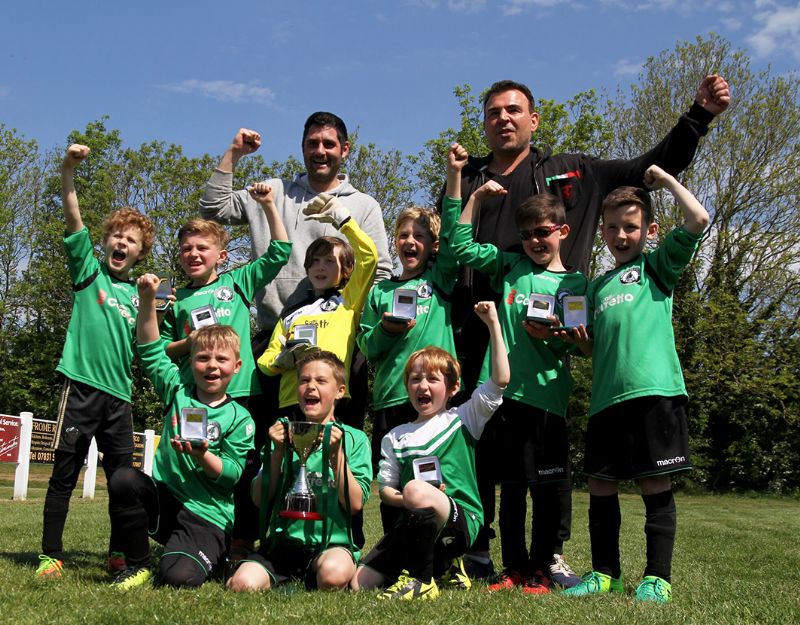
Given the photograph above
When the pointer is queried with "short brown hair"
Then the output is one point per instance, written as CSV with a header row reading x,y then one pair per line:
x,y
128,217
323,246
435,359
502,86
329,358
205,228
630,196
540,208
322,119
216,335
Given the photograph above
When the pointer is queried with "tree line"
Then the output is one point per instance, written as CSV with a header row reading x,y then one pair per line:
x,y
736,307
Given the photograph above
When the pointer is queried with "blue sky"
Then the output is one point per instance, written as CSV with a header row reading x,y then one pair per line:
x,y
191,73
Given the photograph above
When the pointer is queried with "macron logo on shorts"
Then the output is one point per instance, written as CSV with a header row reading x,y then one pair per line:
x,y
669,461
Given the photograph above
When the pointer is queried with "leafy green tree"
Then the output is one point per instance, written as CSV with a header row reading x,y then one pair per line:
x,y
385,175
431,163
19,175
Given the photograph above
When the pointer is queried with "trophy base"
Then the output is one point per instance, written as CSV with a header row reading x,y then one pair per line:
x,y
299,515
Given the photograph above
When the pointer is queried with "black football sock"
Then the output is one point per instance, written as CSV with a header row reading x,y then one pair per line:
x,y
421,531
604,523
659,529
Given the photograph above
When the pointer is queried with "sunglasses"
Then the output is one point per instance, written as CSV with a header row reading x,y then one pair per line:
x,y
542,232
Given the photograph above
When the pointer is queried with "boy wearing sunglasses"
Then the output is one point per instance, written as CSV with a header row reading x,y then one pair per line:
x,y
532,424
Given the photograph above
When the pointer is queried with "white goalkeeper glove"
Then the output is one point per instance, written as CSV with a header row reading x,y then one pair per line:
x,y
327,209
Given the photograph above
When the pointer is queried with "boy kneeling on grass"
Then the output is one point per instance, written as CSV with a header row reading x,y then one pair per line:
x,y
321,552
187,505
440,520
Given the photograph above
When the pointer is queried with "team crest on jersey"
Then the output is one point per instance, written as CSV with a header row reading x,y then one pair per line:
x,y
213,431
424,290
331,303
631,276
135,301
224,294
561,294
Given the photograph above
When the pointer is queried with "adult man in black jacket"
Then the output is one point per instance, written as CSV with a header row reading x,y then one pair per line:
x,y
581,182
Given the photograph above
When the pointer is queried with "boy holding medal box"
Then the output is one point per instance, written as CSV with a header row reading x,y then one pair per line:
x,y
534,285
187,504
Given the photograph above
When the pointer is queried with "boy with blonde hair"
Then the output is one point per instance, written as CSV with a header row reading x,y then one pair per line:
x,y
230,294
187,504
96,363
428,277
226,298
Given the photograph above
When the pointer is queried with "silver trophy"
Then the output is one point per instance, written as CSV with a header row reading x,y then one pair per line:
x,y
304,438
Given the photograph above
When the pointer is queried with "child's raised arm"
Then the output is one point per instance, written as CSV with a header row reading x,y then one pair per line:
x,y
456,159
261,192
695,216
146,319
76,153
501,371
488,189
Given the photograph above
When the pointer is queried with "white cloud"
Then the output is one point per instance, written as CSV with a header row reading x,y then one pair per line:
x,y
468,6
683,7
732,23
225,90
513,7
425,4
626,67
779,31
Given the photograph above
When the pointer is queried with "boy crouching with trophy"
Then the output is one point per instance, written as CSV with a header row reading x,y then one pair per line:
x,y
315,475
427,468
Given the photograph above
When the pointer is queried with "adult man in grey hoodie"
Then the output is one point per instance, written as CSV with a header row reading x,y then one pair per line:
x,y
325,146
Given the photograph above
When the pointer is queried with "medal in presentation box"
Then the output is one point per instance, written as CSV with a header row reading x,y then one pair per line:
x,y
428,470
203,316
303,335
404,306
540,307
575,310
194,425
163,292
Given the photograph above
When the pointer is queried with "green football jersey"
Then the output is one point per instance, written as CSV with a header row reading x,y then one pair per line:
x,y
230,437
634,346
539,376
230,295
98,349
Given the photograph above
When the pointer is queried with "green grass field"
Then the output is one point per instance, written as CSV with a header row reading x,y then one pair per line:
x,y
737,561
